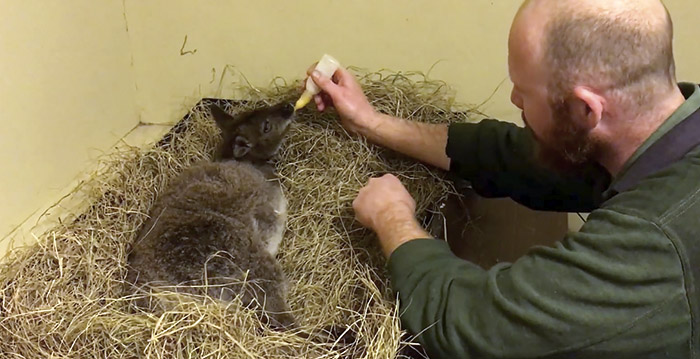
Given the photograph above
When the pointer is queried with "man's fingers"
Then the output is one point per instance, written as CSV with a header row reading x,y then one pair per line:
x,y
325,83
327,99
319,103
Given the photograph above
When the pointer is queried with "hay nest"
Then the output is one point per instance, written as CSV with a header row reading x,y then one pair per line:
x,y
66,295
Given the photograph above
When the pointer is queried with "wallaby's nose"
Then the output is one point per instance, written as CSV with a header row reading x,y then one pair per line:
x,y
287,110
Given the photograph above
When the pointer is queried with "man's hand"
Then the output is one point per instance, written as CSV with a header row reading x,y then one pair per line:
x,y
345,94
422,141
386,207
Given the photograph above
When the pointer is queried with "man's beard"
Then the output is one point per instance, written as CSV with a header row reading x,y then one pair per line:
x,y
566,147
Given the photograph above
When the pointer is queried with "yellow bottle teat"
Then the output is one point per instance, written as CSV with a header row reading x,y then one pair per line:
x,y
326,67
303,100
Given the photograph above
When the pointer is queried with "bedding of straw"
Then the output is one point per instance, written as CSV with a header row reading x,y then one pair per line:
x,y
65,297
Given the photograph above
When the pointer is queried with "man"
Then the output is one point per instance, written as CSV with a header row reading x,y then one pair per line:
x,y
609,131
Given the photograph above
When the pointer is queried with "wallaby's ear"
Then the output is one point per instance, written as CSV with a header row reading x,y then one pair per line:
x,y
223,119
241,147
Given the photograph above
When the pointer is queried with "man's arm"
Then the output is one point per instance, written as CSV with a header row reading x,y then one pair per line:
x,y
425,142
422,141
496,157
604,289
613,290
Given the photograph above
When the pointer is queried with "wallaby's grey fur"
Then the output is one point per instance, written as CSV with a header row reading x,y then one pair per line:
x,y
216,229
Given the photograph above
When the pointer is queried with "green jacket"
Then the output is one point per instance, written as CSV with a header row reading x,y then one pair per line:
x,y
624,286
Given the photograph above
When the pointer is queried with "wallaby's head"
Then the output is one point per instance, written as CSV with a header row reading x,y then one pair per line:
x,y
254,136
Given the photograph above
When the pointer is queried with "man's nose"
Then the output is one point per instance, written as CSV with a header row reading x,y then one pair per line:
x,y
516,99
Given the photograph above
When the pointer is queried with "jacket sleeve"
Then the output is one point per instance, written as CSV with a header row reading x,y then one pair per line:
x,y
596,290
498,159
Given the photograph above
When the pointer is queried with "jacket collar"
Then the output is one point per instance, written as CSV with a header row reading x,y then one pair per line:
x,y
673,140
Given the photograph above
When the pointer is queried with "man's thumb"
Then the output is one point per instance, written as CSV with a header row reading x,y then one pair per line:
x,y
325,83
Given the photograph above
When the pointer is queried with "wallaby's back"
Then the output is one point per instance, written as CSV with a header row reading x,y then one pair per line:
x,y
216,228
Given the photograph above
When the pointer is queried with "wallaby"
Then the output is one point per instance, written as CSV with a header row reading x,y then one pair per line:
x,y
217,227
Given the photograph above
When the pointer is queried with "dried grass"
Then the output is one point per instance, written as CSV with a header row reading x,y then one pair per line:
x,y
66,295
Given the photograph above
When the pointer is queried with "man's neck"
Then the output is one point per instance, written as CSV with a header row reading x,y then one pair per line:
x,y
628,136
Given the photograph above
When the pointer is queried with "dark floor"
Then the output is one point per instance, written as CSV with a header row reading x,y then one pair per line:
x,y
489,231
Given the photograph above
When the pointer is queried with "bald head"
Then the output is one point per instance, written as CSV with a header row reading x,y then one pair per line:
x,y
608,45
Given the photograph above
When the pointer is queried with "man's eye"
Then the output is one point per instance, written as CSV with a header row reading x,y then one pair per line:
x,y
266,126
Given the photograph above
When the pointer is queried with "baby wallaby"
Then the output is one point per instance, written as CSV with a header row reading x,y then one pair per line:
x,y
217,227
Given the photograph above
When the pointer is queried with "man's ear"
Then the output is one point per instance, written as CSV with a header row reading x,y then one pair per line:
x,y
589,107
225,121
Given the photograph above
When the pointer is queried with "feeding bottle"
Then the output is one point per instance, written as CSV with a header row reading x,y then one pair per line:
x,y
326,66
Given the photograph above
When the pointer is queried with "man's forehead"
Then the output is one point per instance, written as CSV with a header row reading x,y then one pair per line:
x,y
526,38
524,49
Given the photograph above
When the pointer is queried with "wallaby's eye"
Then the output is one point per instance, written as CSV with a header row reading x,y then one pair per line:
x,y
266,126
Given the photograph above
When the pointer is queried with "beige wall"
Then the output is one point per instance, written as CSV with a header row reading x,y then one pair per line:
x,y
264,39
67,94
685,21
465,40
74,80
